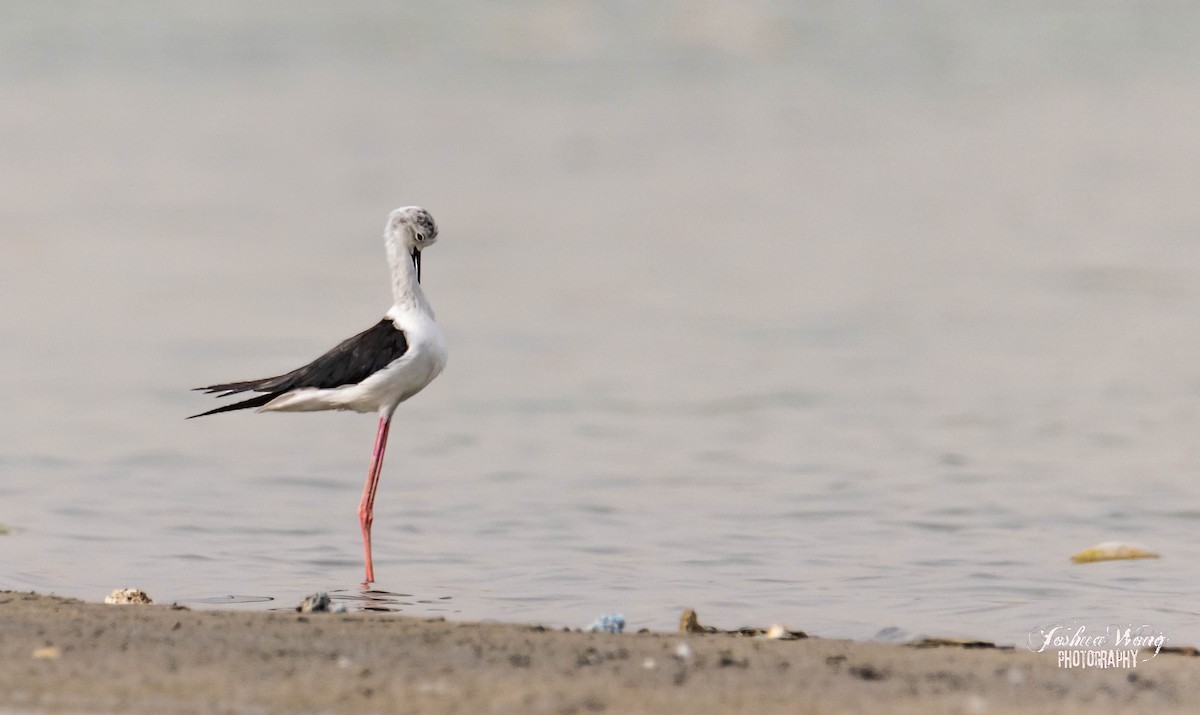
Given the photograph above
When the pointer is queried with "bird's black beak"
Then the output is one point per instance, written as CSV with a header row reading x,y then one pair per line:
x,y
416,256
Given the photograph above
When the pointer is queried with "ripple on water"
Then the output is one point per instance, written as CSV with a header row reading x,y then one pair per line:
x,y
227,600
393,602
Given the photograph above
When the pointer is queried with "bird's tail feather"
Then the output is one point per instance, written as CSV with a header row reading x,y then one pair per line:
x,y
243,405
231,388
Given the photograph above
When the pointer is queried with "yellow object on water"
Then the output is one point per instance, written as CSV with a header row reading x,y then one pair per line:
x,y
1111,551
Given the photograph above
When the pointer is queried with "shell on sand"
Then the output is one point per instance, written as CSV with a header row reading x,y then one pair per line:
x,y
128,595
1113,550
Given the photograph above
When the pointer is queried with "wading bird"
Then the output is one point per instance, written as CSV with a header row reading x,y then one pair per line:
x,y
373,371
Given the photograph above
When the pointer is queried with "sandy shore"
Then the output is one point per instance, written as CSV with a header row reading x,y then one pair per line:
x,y
61,655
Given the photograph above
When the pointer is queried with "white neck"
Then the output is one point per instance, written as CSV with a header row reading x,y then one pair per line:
x,y
406,291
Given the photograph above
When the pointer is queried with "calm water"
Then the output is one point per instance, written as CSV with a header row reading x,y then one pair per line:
x,y
860,319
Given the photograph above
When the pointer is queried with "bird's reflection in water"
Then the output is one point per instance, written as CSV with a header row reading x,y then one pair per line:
x,y
230,599
371,599
353,600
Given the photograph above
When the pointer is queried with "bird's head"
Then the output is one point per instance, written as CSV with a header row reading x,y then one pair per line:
x,y
411,228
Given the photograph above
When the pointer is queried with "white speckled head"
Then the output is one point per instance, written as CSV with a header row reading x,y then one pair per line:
x,y
411,227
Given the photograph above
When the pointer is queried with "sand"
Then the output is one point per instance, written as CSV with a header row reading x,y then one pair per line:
x,y
62,655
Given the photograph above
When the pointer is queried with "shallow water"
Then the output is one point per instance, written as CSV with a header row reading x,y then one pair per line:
x,y
859,321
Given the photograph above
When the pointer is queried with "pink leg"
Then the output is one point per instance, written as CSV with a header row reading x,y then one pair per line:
x,y
366,508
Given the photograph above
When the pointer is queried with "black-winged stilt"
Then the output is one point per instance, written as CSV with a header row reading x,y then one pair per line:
x,y
373,371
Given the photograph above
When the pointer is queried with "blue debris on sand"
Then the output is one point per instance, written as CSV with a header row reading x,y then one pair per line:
x,y
611,623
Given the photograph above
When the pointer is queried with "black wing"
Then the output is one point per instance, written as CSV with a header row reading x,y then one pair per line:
x,y
352,361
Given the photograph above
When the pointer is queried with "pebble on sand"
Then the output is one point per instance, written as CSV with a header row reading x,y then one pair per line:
x,y
50,652
320,602
690,623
